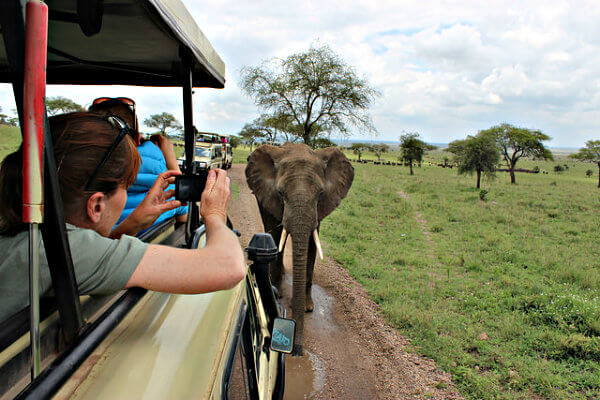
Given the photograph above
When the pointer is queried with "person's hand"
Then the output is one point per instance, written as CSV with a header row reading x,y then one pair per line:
x,y
213,203
156,201
166,147
163,142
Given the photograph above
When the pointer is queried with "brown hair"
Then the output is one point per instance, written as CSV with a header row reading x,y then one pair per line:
x,y
119,109
80,142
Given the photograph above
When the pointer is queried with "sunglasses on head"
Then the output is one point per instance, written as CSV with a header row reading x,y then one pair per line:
x,y
124,130
125,100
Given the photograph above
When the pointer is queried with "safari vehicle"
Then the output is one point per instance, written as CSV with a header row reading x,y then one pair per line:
x,y
228,156
138,343
207,156
227,151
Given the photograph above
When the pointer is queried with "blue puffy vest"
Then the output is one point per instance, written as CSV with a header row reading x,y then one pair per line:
x,y
153,163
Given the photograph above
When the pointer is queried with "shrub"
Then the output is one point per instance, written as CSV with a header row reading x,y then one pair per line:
x,y
570,313
482,194
579,346
589,173
558,168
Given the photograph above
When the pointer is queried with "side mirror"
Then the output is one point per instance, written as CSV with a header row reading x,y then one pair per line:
x,y
282,337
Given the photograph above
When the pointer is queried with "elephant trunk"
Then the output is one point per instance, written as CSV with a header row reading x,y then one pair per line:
x,y
300,251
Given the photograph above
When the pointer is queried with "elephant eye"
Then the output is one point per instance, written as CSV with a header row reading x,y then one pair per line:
x,y
280,193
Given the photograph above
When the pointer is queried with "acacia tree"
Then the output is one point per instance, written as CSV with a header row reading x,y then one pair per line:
x,y
477,154
59,104
516,143
3,118
591,152
165,123
358,148
379,149
412,149
321,143
234,141
250,133
282,125
316,89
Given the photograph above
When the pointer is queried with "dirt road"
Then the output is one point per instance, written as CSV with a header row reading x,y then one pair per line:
x,y
350,353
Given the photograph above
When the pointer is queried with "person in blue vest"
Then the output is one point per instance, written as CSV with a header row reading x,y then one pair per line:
x,y
157,156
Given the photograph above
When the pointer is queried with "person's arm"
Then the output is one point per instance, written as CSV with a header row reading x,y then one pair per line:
x,y
217,266
154,204
166,147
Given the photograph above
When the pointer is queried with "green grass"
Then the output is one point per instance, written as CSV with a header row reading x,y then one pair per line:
x,y
10,139
522,267
241,153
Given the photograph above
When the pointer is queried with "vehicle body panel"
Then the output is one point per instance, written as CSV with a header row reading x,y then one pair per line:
x,y
169,346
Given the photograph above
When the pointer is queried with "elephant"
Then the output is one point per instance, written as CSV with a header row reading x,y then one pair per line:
x,y
296,187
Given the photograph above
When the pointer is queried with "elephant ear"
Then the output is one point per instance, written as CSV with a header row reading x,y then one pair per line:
x,y
260,175
339,174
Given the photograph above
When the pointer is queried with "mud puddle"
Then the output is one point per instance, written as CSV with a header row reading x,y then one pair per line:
x,y
306,376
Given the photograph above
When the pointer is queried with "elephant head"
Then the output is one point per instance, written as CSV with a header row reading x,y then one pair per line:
x,y
296,187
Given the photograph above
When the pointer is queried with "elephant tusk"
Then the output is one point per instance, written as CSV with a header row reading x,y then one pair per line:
x,y
284,236
318,243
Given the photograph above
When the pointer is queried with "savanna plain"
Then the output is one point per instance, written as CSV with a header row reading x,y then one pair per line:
x,y
501,288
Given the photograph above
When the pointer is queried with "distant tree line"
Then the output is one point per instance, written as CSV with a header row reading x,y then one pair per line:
x,y
481,153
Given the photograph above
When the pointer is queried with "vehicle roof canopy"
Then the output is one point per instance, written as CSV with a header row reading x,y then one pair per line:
x,y
140,43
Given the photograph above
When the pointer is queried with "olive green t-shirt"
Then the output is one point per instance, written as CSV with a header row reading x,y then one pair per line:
x,y
102,266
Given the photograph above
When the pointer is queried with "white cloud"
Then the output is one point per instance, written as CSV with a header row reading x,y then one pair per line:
x,y
445,69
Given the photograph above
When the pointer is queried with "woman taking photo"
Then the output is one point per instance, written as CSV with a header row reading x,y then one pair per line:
x,y
96,162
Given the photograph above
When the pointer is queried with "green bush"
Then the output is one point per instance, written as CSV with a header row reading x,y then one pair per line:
x,y
483,194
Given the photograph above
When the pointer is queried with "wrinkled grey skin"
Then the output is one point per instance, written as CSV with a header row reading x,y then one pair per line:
x,y
296,187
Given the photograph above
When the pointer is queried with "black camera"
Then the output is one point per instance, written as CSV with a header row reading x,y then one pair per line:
x,y
190,187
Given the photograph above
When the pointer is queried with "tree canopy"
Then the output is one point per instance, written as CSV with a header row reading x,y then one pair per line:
x,y
591,153
59,104
379,149
250,133
321,143
477,154
412,149
315,89
4,119
166,123
358,148
234,141
516,143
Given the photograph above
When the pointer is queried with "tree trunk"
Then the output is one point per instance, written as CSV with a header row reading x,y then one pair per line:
x,y
300,250
411,168
512,175
599,174
478,178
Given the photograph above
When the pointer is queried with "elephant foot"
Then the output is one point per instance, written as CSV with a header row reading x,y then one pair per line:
x,y
309,305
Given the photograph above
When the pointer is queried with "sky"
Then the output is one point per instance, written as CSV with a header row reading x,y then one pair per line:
x,y
445,69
